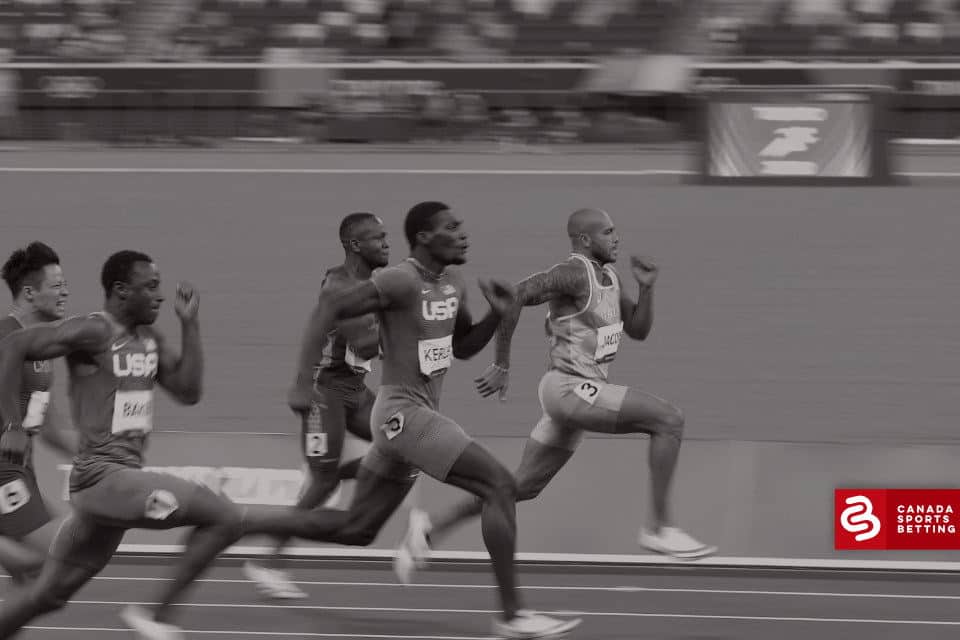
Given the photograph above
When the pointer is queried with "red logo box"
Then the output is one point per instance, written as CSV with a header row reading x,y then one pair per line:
x,y
896,519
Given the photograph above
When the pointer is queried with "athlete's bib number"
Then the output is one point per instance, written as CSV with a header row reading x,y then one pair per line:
x,y
36,409
13,495
133,411
587,391
608,342
393,426
314,439
315,444
436,355
354,362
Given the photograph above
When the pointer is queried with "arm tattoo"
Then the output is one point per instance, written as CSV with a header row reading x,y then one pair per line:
x,y
563,280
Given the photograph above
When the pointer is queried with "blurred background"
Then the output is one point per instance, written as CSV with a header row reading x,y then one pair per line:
x,y
801,330
538,71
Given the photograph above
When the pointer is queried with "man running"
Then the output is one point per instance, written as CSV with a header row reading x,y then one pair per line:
x,y
115,358
425,323
588,312
35,279
344,401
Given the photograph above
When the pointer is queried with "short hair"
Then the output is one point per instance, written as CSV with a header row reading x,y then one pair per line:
x,y
351,222
118,267
420,218
25,264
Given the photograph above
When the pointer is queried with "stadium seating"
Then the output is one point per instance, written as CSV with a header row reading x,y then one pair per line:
x,y
243,29
194,30
835,28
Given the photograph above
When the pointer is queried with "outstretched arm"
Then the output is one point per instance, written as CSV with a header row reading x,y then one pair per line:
x,y
469,338
564,280
55,432
358,332
90,334
386,290
333,306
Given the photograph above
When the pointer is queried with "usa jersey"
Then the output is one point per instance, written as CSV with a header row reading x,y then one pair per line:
x,y
416,328
586,342
111,396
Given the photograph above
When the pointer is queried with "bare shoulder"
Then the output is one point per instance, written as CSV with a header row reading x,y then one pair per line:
x,y
395,280
567,279
336,277
92,326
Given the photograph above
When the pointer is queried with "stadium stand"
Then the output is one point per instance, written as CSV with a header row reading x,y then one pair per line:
x,y
834,28
193,30
241,30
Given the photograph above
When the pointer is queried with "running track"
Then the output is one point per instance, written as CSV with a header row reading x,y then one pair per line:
x,y
352,599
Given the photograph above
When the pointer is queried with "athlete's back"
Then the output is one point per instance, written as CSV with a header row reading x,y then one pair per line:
x,y
111,397
585,342
417,327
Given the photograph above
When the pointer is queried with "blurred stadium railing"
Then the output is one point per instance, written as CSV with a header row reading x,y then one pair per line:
x,y
201,71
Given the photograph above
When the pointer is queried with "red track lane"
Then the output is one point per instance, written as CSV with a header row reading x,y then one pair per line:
x,y
349,599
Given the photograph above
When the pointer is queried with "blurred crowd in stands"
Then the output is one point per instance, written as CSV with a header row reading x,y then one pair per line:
x,y
460,30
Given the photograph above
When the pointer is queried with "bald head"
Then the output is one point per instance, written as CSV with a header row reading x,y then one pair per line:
x,y
587,221
592,233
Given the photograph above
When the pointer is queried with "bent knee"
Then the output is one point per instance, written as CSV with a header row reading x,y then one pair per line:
x,y
502,488
529,491
673,422
229,523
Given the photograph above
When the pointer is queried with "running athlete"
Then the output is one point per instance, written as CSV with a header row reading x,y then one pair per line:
x,y
344,400
115,357
588,312
36,282
425,323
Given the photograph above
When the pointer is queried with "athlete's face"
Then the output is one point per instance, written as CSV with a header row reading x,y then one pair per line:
x,y
371,243
48,294
604,240
448,241
143,295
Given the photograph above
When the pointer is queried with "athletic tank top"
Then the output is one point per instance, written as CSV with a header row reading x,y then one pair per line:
x,y
417,333
585,343
34,389
339,358
112,403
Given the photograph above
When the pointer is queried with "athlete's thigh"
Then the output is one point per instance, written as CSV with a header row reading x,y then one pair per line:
x,y
81,541
22,508
573,403
133,498
479,472
423,438
323,430
376,498
646,413
358,415
41,538
545,452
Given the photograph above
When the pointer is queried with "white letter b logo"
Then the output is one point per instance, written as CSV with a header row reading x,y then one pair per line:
x,y
858,518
